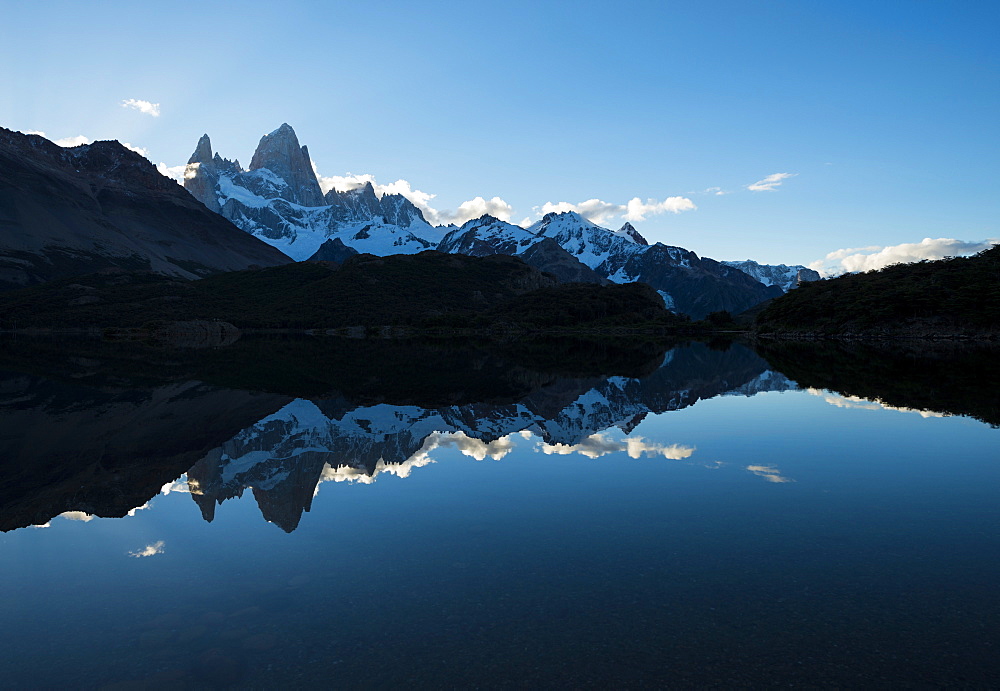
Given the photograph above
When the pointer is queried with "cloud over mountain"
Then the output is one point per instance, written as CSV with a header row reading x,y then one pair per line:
x,y
597,211
853,259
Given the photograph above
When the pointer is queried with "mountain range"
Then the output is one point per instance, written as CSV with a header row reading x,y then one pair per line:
x,y
98,434
279,200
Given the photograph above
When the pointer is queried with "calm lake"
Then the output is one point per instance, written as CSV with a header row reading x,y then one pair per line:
x,y
317,512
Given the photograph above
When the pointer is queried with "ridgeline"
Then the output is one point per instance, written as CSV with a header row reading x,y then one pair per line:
x,y
957,296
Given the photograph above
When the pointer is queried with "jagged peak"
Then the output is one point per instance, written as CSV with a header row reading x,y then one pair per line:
x,y
280,153
281,142
284,129
573,217
203,151
628,230
484,220
567,215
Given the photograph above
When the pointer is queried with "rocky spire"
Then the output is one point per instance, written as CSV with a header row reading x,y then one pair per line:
x,y
201,175
280,153
202,152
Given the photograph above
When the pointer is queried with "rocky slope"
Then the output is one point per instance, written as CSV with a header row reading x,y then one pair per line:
x,y
72,211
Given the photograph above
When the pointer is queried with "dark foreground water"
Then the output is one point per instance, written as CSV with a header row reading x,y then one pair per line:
x,y
434,518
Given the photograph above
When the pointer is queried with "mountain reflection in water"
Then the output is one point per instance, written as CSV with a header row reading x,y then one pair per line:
x,y
107,449
642,516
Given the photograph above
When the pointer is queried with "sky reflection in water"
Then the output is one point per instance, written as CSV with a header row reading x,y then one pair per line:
x,y
791,536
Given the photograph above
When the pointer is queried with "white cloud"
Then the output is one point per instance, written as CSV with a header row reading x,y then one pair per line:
x,y
77,516
717,191
142,106
72,141
175,173
344,183
149,550
79,139
474,208
868,404
466,211
600,212
769,473
636,210
876,257
138,149
594,210
469,446
178,485
132,512
597,445
770,183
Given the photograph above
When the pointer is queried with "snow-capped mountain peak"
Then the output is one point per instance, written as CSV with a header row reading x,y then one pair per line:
x,y
279,152
629,231
785,277
279,200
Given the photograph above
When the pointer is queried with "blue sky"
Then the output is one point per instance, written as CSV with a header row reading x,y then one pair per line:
x,y
884,114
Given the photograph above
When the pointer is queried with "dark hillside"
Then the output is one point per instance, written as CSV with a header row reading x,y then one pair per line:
x,y
430,288
72,211
959,295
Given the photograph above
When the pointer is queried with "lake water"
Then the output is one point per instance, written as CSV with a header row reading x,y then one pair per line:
x,y
359,514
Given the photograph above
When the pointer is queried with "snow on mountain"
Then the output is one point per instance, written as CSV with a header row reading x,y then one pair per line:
x,y
278,199
488,235
628,231
589,242
688,283
785,277
284,456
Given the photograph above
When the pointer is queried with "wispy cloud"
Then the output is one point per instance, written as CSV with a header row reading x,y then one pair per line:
x,y
142,106
175,173
770,183
149,550
717,191
853,259
769,473
637,210
868,404
72,141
